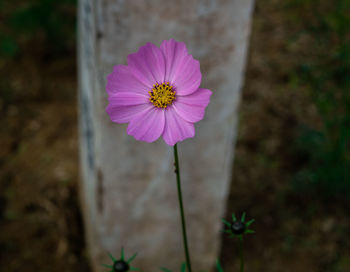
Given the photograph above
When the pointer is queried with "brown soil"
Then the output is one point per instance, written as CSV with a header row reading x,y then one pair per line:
x,y
40,220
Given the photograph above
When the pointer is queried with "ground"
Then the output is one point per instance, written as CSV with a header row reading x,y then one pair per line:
x,y
40,219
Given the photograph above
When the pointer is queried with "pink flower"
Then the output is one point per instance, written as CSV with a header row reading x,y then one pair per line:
x,y
158,93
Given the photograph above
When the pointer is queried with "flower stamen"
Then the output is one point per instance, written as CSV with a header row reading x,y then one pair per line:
x,y
162,95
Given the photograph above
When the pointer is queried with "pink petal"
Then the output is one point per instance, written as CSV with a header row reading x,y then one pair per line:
x,y
191,107
148,64
201,97
147,126
123,114
176,129
181,69
128,99
122,80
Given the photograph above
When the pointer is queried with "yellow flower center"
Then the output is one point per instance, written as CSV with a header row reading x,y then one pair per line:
x,y
162,95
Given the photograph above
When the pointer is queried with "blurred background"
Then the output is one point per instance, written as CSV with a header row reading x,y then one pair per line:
x,y
292,161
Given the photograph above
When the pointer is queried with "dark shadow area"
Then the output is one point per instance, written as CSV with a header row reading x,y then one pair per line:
x,y
40,221
291,169
293,151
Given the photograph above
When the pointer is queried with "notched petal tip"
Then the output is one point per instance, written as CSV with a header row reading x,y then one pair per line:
x,y
174,43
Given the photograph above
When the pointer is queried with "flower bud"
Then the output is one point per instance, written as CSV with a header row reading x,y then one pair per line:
x,y
238,227
120,266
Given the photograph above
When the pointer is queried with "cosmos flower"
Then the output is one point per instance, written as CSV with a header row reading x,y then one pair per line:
x,y
158,93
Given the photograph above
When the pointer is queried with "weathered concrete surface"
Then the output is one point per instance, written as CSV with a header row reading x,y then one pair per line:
x,y
128,188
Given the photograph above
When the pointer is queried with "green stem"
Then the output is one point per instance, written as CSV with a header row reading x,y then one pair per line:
x,y
183,223
241,254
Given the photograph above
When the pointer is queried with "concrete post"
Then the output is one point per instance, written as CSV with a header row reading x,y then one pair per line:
x,y
128,188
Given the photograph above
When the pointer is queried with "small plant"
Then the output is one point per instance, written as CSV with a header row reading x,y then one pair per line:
x,y
121,265
237,228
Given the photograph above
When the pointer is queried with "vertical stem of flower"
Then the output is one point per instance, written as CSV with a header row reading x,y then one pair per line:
x,y
241,254
183,223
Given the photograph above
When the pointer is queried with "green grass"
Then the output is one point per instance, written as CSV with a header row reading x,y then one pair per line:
x,y
43,22
325,74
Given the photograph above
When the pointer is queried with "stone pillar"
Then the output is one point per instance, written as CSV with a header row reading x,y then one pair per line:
x,y
128,188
